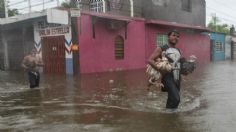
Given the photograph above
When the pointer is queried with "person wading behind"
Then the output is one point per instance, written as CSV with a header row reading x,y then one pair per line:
x,y
31,64
171,80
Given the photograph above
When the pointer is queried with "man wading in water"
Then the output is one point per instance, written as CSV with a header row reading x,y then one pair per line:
x,y
171,80
31,64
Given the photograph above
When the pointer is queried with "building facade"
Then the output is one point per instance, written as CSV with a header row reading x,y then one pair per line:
x,y
109,35
129,42
192,12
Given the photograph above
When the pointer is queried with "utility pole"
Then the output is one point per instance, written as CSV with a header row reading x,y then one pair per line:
x,y
6,8
43,5
215,22
58,3
29,4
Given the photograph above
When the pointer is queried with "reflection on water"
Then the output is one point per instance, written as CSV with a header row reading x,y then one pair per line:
x,y
106,102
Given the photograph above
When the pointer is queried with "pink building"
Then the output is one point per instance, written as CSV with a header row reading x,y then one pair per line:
x,y
110,42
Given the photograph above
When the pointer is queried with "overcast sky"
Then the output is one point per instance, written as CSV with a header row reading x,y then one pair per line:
x,y
22,5
224,9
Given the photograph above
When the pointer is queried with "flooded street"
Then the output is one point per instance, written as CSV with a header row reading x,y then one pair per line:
x,y
118,102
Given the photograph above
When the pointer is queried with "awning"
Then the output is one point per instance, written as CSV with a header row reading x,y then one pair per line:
x,y
178,25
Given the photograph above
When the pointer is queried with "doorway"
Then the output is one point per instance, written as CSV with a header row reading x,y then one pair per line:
x,y
53,53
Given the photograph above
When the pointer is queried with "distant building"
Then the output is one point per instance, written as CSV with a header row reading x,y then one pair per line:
x,y
217,46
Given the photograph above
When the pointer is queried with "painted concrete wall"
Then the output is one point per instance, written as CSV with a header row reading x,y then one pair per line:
x,y
1,52
190,43
218,55
171,10
228,47
98,54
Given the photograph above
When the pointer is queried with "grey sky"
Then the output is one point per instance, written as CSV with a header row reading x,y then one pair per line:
x,y
223,9
22,5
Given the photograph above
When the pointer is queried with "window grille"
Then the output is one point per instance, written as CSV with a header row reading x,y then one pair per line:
x,y
219,47
96,5
119,48
186,5
162,39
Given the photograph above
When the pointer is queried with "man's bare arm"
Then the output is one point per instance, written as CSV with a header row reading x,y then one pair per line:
x,y
156,54
24,63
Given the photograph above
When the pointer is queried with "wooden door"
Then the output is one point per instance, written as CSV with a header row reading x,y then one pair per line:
x,y
53,52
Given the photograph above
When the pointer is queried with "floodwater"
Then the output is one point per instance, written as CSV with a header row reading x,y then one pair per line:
x,y
119,102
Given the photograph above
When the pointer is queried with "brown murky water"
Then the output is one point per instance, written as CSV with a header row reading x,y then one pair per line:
x,y
118,102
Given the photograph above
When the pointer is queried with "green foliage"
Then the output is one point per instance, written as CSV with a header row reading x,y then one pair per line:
x,y
11,12
215,26
2,9
69,4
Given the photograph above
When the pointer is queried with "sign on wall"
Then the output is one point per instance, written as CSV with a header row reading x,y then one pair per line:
x,y
49,29
57,16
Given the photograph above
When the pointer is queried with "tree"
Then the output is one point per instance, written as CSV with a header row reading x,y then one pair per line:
x,y
11,12
69,4
215,26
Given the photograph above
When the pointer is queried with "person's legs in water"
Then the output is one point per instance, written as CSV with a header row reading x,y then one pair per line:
x,y
37,80
32,79
173,91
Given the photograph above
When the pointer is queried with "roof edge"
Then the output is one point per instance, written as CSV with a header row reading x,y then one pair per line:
x,y
174,24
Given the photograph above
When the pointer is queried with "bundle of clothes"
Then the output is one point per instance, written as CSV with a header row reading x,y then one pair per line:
x,y
186,67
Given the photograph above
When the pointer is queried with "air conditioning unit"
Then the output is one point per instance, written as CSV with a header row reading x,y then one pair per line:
x,y
114,24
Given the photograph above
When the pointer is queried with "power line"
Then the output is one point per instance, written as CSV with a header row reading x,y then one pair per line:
x,y
220,12
224,19
17,3
223,4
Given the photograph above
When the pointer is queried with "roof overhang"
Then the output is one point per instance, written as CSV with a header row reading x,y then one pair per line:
x,y
23,17
52,15
108,16
177,25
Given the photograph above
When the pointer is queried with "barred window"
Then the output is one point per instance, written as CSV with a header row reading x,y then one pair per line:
x,y
119,48
79,4
161,40
96,5
115,4
219,46
187,5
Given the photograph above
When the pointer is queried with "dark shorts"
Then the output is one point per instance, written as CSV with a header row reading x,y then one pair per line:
x,y
34,78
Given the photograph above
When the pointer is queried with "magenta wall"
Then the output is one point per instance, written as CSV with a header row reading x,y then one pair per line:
x,y
195,44
189,43
98,55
